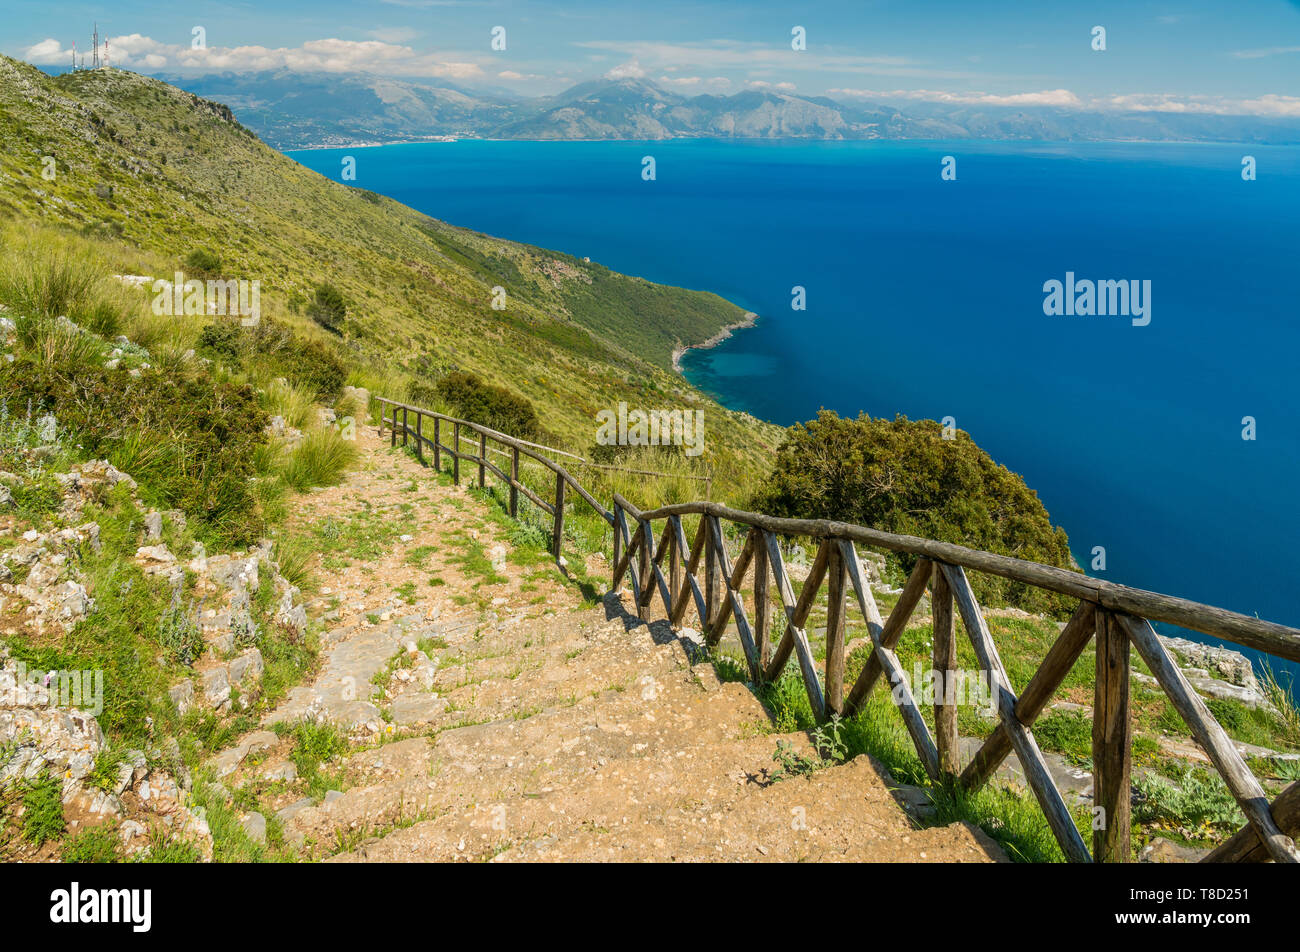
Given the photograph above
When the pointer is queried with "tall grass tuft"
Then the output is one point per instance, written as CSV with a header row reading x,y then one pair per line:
x,y
319,460
293,554
1284,701
296,404
41,281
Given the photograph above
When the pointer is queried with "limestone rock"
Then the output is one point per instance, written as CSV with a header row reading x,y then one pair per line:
x,y
182,695
417,707
216,687
246,669
1161,850
255,826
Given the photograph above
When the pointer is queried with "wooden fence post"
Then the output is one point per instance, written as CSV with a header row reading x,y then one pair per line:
x,y
945,667
674,557
455,454
405,431
514,483
646,569
762,605
559,514
419,436
392,433
437,445
482,459
711,606
1111,745
837,575
616,584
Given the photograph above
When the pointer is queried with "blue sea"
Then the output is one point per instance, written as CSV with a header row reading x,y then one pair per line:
x,y
925,298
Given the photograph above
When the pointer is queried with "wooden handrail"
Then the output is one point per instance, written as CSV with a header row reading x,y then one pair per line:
x,y
1115,616
523,447
1266,636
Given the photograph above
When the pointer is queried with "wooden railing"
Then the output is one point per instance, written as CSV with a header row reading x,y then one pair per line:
x,y
1116,617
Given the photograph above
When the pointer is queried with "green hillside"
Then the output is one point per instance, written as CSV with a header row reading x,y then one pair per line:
x,y
145,175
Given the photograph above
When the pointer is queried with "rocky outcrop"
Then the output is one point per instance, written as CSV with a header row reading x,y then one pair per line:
x,y
49,589
1218,672
44,732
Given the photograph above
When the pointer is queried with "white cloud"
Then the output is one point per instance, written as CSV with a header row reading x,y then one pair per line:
x,y
47,52
1265,105
133,51
721,54
764,84
513,76
629,70
1267,51
1047,97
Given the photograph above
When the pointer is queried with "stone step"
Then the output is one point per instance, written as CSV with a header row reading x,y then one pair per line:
x,y
667,809
549,749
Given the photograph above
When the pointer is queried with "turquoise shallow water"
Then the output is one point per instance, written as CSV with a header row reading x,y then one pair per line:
x,y
925,298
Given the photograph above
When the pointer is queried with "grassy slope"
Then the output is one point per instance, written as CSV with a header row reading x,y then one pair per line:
x,y
184,175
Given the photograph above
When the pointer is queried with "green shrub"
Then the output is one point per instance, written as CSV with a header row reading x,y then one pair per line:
x,y
270,347
1230,715
188,440
37,496
179,635
489,405
221,340
1066,732
320,459
170,848
43,810
314,745
96,844
328,308
1197,798
902,476
203,262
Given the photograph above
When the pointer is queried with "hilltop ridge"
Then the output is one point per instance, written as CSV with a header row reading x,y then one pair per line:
x,y
305,110
152,173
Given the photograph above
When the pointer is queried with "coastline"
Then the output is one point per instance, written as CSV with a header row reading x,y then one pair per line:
x,y
749,320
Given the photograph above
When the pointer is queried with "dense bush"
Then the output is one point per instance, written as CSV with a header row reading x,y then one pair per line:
x,y
473,399
902,476
203,262
328,308
311,364
60,285
188,440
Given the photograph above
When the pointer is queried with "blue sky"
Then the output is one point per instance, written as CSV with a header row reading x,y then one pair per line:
x,y
1234,57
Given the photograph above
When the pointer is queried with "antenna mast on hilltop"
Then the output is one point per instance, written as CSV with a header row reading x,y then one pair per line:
x,y
106,66
94,60
74,55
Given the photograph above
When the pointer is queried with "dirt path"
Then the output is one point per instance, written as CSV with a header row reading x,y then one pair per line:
x,y
499,717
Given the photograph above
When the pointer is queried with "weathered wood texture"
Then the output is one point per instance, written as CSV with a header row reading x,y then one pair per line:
x,y
1112,735
1117,615
945,668
1212,738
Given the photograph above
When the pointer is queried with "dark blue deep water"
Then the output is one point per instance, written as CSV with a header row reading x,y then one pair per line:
x,y
924,297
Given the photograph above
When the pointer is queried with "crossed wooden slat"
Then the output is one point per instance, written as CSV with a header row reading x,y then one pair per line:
x,y
1236,775
1022,740
837,563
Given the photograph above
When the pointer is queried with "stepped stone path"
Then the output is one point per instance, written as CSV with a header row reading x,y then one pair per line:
x,y
499,716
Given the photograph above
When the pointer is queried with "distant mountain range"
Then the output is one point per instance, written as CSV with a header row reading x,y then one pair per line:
x,y
295,110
